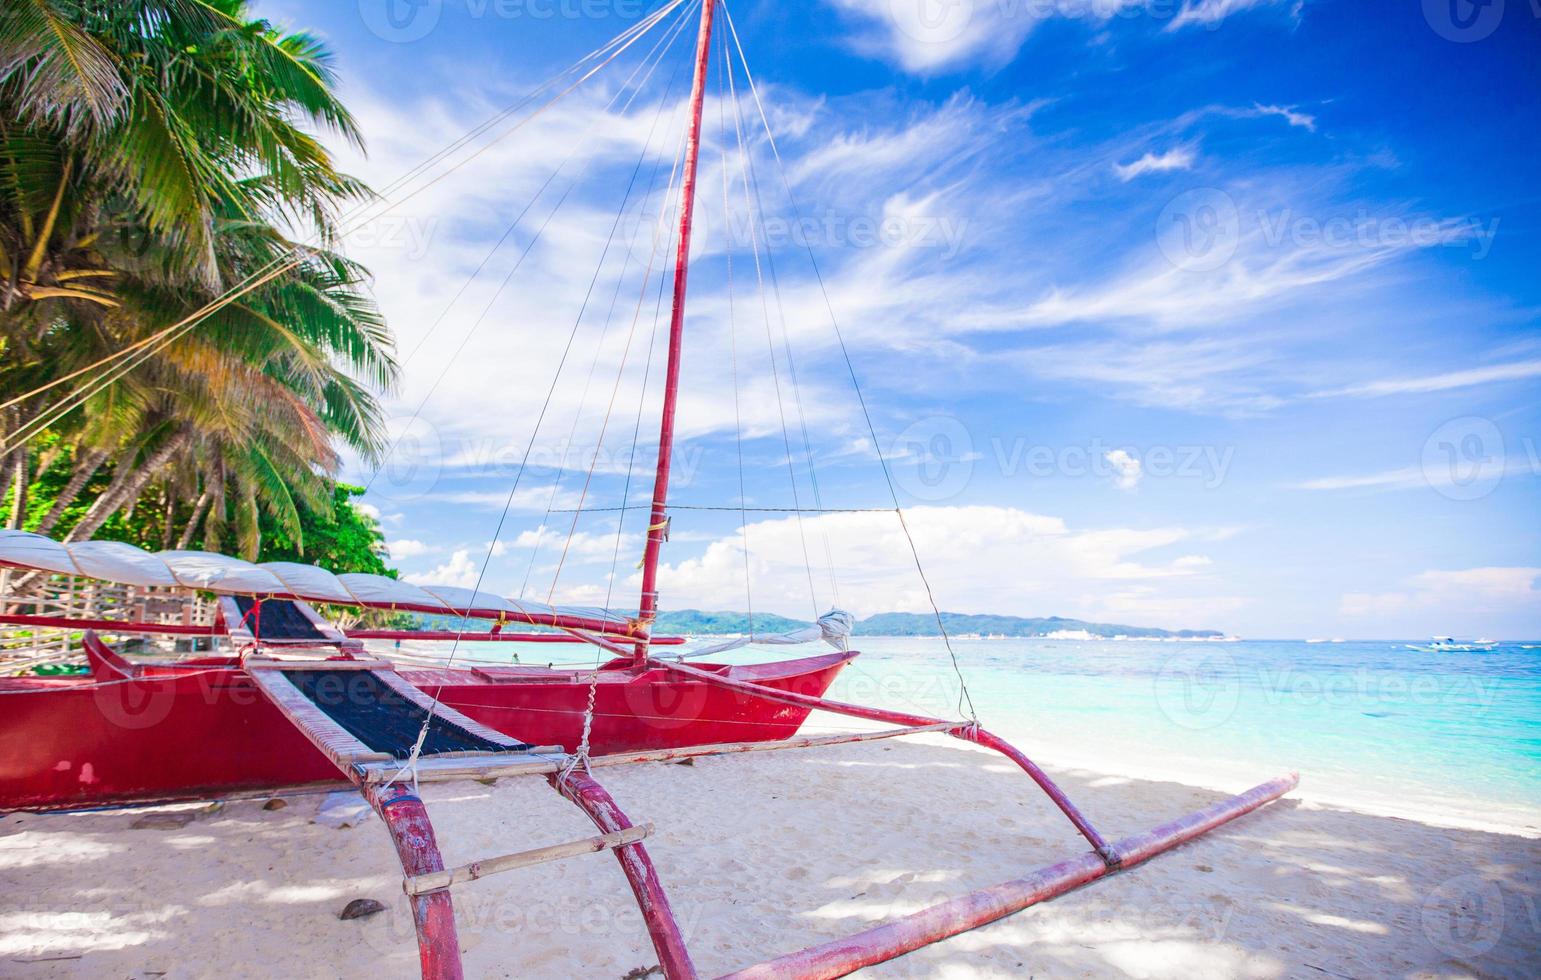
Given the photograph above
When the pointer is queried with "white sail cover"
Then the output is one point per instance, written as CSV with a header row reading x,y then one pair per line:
x,y
114,561
834,628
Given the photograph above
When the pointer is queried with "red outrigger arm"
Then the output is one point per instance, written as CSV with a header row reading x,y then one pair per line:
x,y
433,914
968,731
885,942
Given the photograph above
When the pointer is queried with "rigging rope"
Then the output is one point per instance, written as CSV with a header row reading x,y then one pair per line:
x,y
411,762
662,230
738,418
666,41
964,697
606,333
754,248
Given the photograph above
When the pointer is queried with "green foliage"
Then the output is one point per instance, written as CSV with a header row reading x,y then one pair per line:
x,y
341,539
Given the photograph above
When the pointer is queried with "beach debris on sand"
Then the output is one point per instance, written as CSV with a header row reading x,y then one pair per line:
x,y
360,908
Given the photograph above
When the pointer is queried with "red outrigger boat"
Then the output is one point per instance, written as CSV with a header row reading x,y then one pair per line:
x,y
301,701
200,727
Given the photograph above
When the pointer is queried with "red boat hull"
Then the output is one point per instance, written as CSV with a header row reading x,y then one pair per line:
x,y
202,728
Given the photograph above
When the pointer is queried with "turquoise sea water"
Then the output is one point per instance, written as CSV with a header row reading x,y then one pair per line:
x,y
1453,734
1450,735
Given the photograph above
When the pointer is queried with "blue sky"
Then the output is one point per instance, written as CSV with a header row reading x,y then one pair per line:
x,y
1212,313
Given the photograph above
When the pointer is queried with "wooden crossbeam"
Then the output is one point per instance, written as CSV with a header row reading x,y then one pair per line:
x,y
436,880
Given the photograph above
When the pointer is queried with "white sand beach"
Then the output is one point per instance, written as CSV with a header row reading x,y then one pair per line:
x,y
766,853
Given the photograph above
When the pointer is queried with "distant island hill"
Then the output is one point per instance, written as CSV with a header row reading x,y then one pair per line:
x,y
693,622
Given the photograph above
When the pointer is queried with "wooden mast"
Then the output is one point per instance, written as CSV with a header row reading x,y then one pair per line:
x,y
658,521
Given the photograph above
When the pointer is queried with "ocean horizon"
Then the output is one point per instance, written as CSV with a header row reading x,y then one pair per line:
x,y
1452,738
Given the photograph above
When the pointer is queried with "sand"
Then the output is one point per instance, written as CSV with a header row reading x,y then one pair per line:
x,y
763,854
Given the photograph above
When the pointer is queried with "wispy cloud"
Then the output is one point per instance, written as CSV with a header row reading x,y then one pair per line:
x,y
1180,158
928,36
1208,13
1434,476
1469,377
1289,114
1406,478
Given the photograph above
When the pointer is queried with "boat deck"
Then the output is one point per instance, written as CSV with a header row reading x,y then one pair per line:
x,y
362,713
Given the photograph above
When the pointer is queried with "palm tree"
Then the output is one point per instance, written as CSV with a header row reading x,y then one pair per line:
x,y
149,152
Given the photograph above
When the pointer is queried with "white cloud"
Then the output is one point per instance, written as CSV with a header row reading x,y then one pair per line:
x,y
928,36
1209,13
1180,158
925,36
1470,377
979,558
1127,471
1435,475
408,548
584,545
1288,113
1406,478
460,570
1167,294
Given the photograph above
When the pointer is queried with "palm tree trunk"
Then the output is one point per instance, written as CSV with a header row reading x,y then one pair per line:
x,y
18,471
85,469
168,517
186,540
114,500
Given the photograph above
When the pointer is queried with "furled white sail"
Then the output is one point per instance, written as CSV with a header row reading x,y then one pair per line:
x,y
114,561
834,628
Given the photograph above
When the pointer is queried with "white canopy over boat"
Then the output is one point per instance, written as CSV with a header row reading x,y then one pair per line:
x,y
115,561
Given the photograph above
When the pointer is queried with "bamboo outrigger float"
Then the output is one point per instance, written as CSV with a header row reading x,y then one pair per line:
x,y
386,729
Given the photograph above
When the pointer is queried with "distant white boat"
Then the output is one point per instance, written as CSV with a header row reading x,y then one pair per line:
x,y
1449,644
